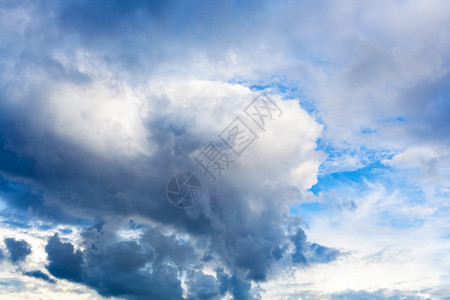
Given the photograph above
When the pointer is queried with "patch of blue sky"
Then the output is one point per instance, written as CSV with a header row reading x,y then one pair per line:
x,y
347,158
391,219
398,119
45,226
310,207
409,206
288,89
331,150
340,191
347,183
65,230
368,131
309,211
374,173
341,184
14,223
2,204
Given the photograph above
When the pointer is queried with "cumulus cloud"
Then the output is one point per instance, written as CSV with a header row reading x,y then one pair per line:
x,y
180,117
64,261
203,286
18,249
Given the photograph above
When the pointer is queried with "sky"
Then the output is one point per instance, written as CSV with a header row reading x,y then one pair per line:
x,y
311,137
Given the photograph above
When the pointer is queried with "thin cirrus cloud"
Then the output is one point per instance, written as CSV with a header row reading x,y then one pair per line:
x,y
103,102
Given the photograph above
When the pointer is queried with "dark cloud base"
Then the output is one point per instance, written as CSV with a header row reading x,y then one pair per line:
x,y
151,266
18,250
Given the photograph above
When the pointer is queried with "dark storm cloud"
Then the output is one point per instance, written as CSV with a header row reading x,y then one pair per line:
x,y
18,249
80,184
21,198
49,174
50,177
150,266
148,269
238,288
64,261
248,242
64,174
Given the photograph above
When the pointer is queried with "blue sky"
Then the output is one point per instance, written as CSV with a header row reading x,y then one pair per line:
x,y
343,191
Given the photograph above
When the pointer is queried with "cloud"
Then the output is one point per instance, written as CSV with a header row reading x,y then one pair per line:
x,y
306,253
102,103
238,288
116,186
380,294
203,286
430,162
121,268
18,249
64,261
40,275
116,267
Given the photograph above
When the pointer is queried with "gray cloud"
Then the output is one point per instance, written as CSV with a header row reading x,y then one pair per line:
x,y
149,266
18,249
240,223
203,286
122,268
39,275
64,261
70,184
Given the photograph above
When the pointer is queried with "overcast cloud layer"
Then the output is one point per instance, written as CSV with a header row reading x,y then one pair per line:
x,y
343,195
